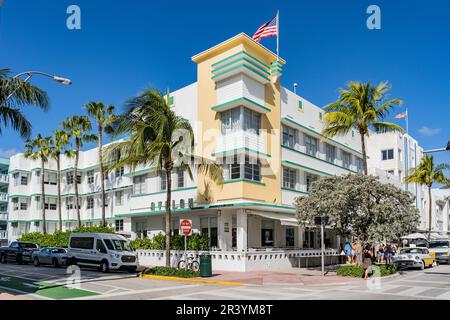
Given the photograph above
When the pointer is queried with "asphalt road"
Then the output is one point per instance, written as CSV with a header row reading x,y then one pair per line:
x,y
29,282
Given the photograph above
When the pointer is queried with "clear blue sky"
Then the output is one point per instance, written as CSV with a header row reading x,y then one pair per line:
x,y
125,46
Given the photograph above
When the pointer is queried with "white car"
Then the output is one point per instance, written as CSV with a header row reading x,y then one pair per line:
x,y
414,258
106,251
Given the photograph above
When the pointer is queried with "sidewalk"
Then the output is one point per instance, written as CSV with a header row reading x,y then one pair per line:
x,y
294,276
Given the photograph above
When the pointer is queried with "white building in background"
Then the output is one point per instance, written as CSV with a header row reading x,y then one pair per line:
x,y
4,183
440,213
270,144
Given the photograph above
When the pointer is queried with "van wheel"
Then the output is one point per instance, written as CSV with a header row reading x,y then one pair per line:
x,y
3,258
104,266
73,262
55,263
36,262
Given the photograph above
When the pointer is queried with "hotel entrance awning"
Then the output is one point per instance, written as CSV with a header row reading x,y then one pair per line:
x,y
285,219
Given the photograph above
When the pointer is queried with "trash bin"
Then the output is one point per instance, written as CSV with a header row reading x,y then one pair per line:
x,y
205,265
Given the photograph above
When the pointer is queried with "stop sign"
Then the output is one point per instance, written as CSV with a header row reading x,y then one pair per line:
x,y
186,227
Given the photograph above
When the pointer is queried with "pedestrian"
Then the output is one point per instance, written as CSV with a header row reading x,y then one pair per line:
x,y
367,261
380,254
388,254
348,252
354,252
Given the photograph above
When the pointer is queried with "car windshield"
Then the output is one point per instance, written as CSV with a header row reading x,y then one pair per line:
x,y
411,250
29,245
439,244
118,245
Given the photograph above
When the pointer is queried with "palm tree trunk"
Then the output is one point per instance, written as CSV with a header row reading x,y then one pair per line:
x,y
77,200
363,150
44,227
58,178
168,211
102,174
430,207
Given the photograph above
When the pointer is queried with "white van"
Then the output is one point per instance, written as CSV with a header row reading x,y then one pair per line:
x,y
106,251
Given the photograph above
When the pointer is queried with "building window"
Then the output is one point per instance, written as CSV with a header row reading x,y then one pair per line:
x,y
300,104
267,227
50,203
69,203
90,203
252,170
320,116
50,178
69,177
390,172
231,120
208,226
290,237
311,145
232,170
15,202
387,154
180,178
289,137
119,225
90,177
359,164
163,177
346,159
310,178
23,180
120,171
289,178
330,152
119,198
139,186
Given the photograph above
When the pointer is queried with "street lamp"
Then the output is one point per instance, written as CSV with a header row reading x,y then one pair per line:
x,y
447,148
29,74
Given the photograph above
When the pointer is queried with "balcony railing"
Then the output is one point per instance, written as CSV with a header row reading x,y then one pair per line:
x,y
241,140
3,196
4,178
3,215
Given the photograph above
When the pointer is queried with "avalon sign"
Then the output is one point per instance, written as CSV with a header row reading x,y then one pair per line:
x,y
186,227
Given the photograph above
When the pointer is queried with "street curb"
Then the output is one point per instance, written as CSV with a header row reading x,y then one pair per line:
x,y
190,280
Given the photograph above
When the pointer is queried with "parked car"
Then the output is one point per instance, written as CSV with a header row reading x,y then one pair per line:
x,y
17,251
414,258
440,250
102,250
52,256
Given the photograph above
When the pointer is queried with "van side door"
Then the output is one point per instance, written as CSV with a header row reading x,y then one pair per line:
x,y
101,250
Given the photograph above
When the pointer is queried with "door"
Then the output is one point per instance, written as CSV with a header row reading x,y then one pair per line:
x,y
12,250
267,237
101,251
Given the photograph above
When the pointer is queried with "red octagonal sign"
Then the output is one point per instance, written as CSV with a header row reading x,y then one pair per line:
x,y
186,227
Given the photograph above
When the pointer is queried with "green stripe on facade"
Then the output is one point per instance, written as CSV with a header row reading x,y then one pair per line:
x,y
294,190
244,180
238,60
236,54
239,66
239,99
305,167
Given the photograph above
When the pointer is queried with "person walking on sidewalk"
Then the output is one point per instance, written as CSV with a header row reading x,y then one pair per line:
x,y
367,262
380,254
348,252
388,254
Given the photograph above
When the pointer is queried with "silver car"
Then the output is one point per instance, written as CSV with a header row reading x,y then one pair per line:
x,y
51,256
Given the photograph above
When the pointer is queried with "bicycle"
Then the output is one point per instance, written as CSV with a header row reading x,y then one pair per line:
x,y
191,264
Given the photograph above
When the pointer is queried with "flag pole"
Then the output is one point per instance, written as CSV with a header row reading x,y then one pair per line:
x,y
407,122
278,34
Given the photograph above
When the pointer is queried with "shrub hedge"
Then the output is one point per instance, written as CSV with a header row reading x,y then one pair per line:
x,y
158,242
172,272
60,238
358,271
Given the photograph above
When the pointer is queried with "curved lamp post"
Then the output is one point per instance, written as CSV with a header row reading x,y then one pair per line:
x,y
29,74
447,148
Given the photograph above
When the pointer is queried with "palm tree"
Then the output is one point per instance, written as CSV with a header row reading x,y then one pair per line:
x,y
427,173
21,94
361,106
60,141
40,148
104,117
158,138
78,127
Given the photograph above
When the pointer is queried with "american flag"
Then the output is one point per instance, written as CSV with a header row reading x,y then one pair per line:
x,y
268,29
402,115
